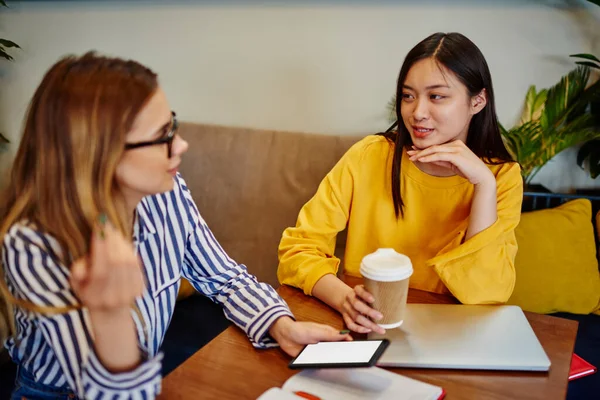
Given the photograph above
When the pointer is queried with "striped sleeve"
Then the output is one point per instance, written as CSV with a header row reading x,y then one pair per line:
x,y
251,305
35,274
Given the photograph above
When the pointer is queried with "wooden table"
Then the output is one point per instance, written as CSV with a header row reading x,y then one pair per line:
x,y
230,368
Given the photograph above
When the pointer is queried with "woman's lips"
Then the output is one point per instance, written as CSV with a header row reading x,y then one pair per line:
x,y
421,132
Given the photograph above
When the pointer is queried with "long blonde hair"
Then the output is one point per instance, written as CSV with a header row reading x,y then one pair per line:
x,y
63,174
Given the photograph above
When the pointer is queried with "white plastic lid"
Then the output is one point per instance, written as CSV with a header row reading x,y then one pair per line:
x,y
386,265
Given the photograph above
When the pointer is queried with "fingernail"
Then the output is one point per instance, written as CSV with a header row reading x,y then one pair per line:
x,y
378,316
344,332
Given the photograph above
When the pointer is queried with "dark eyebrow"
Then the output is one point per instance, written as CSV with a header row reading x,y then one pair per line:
x,y
429,87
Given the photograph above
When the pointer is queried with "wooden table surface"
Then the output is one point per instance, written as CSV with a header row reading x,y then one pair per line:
x,y
230,368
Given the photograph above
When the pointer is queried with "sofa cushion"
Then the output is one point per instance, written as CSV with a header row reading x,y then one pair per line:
x,y
250,184
556,263
598,227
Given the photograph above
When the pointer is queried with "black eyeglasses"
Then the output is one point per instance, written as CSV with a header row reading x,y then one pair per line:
x,y
166,139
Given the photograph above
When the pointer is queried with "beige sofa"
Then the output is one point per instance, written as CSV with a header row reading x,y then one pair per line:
x,y
250,185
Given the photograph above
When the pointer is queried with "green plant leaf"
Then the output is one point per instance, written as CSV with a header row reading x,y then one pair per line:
x,y
529,102
580,130
595,111
533,146
4,54
524,142
9,43
534,104
3,3
587,56
595,164
563,97
591,94
585,151
588,64
539,104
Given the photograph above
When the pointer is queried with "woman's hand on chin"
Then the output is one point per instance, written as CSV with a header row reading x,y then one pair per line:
x,y
456,157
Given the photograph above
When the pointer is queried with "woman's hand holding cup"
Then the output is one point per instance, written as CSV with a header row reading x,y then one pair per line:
x,y
381,302
357,312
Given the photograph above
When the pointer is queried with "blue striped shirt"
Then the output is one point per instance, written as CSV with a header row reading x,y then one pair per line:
x,y
172,241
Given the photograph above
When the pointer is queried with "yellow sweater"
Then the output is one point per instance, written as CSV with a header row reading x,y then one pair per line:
x,y
357,192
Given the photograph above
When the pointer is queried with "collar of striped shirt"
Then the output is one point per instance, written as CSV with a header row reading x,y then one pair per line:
x,y
142,226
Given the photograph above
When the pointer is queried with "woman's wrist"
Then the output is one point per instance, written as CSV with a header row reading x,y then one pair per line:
x,y
110,314
117,352
332,291
280,328
487,184
485,195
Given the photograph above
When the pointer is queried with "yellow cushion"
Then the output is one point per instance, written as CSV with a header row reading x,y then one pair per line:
x,y
597,312
556,264
185,290
598,225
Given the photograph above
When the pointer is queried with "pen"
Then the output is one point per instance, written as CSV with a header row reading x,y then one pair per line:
x,y
307,396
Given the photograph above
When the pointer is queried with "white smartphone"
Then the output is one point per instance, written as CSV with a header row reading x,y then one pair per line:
x,y
354,354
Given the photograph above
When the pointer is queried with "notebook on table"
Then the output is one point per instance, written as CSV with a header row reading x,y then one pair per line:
x,y
486,337
353,384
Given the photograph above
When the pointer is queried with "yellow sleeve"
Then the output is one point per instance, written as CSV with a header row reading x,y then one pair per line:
x,y
482,269
306,251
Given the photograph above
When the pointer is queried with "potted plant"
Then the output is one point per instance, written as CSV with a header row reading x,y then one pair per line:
x,y
591,150
552,121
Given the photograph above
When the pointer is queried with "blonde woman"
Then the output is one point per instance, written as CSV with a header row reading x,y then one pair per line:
x,y
98,228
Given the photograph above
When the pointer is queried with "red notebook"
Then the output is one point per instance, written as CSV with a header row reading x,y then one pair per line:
x,y
580,368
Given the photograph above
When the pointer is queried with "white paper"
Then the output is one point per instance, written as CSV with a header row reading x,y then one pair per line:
x,y
360,383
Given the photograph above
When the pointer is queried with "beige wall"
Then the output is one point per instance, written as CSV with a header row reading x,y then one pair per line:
x,y
326,66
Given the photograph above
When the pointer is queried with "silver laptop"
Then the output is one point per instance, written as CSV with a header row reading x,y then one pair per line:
x,y
464,337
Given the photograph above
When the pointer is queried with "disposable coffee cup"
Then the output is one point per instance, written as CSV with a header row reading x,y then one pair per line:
x,y
386,274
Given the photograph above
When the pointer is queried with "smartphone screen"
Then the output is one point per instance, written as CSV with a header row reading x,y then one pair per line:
x,y
359,353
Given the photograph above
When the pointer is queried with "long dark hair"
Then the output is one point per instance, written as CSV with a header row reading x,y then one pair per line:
x,y
461,56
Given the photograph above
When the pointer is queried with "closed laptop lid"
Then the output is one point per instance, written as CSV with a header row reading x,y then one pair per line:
x,y
464,337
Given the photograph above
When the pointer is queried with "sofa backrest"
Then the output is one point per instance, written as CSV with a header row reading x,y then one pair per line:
x,y
250,184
